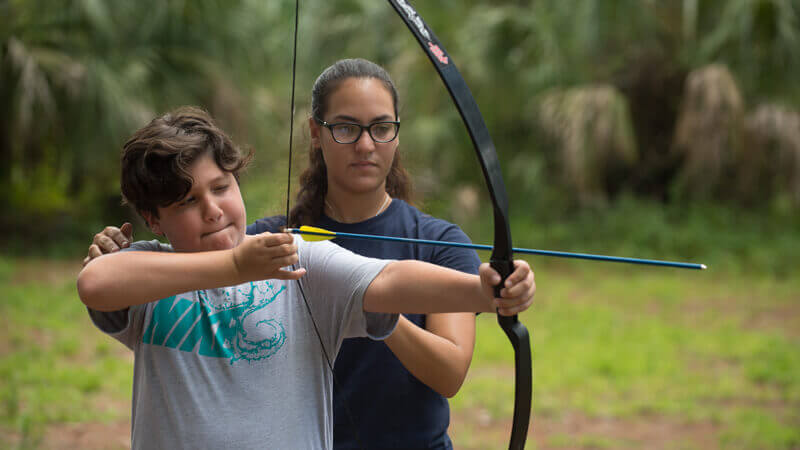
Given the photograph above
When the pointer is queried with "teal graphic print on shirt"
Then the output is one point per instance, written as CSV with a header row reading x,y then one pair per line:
x,y
225,323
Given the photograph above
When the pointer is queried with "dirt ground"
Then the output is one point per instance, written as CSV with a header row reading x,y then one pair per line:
x,y
569,432
578,432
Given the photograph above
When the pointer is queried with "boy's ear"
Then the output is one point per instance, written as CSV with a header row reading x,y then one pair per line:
x,y
314,129
152,222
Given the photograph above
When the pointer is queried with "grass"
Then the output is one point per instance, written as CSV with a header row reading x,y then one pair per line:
x,y
687,350
624,356
727,239
55,367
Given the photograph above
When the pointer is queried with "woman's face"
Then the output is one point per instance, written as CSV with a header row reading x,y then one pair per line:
x,y
362,166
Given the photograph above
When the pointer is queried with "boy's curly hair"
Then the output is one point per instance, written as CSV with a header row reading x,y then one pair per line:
x,y
156,159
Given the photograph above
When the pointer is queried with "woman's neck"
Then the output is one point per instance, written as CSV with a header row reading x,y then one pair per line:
x,y
348,207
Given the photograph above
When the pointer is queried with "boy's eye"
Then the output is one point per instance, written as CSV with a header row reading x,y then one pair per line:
x,y
221,188
186,201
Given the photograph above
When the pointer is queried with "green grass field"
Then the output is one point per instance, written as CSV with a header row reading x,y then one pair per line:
x,y
624,357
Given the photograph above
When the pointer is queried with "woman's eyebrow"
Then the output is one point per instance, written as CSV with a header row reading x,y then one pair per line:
x,y
346,118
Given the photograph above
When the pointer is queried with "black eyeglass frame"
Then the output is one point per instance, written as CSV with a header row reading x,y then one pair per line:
x,y
330,126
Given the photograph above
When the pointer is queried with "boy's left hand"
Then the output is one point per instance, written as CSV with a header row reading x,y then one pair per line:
x,y
518,289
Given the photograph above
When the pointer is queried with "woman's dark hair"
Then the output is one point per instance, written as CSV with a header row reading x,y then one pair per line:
x,y
156,159
310,202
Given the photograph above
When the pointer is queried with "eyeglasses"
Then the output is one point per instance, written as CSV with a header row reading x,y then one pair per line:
x,y
348,133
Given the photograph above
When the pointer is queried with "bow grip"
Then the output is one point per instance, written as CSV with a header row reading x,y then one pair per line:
x,y
504,268
520,340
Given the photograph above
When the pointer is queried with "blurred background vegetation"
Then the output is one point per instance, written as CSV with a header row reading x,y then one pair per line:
x,y
667,127
645,128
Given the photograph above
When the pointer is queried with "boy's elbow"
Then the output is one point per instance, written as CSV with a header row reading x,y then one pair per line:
x,y
377,297
90,289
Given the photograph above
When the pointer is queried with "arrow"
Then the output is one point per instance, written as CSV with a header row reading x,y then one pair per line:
x,y
320,234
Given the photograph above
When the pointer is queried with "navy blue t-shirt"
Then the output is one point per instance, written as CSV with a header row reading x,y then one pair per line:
x,y
391,407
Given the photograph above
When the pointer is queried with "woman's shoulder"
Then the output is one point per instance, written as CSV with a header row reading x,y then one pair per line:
x,y
273,224
430,226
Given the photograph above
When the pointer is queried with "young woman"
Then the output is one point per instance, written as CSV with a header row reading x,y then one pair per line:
x,y
390,394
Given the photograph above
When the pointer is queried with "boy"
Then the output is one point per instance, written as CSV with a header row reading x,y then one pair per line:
x,y
227,351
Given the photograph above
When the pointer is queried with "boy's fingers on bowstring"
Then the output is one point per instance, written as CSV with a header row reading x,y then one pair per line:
x,y
276,239
273,245
283,251
286,274
285,261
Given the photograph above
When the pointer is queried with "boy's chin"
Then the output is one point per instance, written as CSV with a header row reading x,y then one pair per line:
x,y
222,241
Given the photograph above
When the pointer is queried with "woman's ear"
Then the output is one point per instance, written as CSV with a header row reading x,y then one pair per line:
x,y
152,222
314,129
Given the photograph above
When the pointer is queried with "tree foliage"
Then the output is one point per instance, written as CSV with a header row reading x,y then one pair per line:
x,y
77,76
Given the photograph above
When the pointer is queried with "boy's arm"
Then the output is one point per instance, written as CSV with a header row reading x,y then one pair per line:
x,y
119,280
416,287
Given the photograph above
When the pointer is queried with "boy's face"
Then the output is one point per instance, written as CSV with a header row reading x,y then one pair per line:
x,y
210,217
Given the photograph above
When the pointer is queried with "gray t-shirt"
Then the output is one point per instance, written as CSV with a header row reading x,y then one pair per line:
x,y
241,367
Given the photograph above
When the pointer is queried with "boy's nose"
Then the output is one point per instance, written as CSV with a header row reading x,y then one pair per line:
x,y
212,211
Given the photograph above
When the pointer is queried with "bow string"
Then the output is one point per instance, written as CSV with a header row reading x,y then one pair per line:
x,y
501,257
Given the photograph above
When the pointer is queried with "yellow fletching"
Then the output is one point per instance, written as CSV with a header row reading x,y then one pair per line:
x,y
305,229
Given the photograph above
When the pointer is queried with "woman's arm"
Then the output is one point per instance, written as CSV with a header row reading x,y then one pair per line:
x,y
440,355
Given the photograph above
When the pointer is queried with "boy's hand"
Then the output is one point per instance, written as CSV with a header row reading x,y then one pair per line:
x,y
110,240
518,289
263,257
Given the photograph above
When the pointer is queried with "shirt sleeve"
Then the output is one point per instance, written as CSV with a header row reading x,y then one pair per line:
x,y
457,258
125,325
335,283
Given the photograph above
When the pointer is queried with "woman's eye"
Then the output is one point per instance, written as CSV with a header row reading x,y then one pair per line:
x,y
347,130
381,129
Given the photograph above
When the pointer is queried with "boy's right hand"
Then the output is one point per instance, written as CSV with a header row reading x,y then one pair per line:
x,y
264,255
110,240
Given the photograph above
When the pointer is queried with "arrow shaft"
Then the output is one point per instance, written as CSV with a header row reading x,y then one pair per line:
x,y
529,251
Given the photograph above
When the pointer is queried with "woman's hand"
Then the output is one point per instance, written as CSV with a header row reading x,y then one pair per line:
x,y
518,289
110,240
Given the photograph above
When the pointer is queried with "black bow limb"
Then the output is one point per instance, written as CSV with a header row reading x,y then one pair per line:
x,y
501,259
